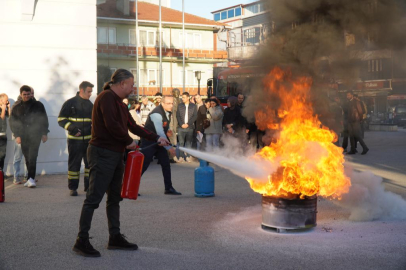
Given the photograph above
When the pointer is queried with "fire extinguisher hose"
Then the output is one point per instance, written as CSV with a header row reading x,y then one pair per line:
x,y
151,145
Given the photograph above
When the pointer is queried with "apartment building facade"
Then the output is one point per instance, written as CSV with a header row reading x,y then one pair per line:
x,y
116,48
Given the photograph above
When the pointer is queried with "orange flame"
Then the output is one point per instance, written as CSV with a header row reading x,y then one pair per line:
x,y
308,161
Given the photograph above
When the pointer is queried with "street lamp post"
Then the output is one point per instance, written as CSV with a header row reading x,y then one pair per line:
x,y
198,75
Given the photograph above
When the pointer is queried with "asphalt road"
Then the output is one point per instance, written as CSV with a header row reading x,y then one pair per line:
x,y
38,226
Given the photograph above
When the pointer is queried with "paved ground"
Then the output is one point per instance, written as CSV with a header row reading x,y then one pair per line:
x,y
38,226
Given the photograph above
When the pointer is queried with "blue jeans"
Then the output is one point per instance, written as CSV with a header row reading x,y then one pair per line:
x,y
212,142
18,156
185,139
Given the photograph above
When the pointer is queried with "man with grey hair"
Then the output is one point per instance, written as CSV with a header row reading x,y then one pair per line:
x,y
159,122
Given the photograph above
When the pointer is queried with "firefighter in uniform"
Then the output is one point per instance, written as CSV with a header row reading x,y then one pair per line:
x,y
76,118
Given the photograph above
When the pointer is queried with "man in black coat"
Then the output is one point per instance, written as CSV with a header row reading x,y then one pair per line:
x,y
186,116
355,112
29,124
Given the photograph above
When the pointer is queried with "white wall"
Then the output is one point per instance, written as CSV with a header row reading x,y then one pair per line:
x,y
53,53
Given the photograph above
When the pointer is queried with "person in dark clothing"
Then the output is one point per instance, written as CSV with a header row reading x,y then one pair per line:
x,y
159,121
362,122
335,118
233,122
355,112
186,116
4,112
201,117
345,133
76,117
29,123
110,124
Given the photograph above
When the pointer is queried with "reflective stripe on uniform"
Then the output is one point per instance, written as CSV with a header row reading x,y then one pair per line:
x,y
80,119
73,177
67,125
87,172
61,118
87,137
73,173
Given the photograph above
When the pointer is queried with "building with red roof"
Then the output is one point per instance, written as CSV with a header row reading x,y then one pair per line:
x,y
116,38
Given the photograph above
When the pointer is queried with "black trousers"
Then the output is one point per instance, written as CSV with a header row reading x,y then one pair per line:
x,y
77,152
3,149
355,135
30,148
163,158
106,176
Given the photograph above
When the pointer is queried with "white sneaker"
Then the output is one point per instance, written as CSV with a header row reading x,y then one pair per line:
x,y
30,183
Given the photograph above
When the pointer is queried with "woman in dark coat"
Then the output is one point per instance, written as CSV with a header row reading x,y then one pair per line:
x,y
201,116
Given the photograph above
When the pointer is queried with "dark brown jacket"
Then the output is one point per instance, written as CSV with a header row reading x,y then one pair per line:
x,y
111,121
355,111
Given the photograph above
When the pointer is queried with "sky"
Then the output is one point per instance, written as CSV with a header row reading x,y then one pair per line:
x,y
205,7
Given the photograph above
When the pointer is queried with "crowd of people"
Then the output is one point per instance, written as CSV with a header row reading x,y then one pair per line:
x,y
200,124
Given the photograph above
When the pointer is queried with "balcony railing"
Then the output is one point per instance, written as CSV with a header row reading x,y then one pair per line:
x,y
128,50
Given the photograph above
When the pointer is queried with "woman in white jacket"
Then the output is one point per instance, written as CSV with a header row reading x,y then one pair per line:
x,y
214,131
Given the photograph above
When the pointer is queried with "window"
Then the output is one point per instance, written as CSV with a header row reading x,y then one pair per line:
x,y
151,38
251,36
190,78
197,41
217,17
224,15
147,38
163,39
149,77
261,7
238,11
231,13
193,40
134,72
113,70
106,35
256,8
132,37
143,77
152,77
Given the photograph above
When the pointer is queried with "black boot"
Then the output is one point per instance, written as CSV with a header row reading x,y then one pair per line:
x,y
118,241
84,248
172,191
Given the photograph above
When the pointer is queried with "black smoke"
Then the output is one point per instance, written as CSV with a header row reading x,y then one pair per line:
x,y
326,40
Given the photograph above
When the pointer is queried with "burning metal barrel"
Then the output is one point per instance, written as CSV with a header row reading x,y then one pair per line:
x,y
288,214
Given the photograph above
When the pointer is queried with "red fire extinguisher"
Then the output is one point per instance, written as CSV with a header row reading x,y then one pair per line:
x,y
2,191
132,175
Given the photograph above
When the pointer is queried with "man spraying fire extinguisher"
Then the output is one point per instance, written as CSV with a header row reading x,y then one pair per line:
x,y
110,124
158,121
